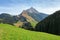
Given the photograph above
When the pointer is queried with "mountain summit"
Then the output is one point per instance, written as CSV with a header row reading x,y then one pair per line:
x,y
32,15
32,10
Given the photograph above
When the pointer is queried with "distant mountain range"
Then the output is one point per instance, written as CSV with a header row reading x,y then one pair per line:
x,y
29,16
50,24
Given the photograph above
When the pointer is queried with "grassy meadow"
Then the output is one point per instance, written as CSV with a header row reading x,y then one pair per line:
x,y
8,32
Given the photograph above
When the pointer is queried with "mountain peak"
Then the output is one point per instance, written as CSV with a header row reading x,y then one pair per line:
x,y
32,10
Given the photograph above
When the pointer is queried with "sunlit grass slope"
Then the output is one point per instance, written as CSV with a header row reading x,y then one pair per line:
x,y
8,32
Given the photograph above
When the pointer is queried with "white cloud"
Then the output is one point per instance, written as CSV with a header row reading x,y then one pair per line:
x,y
48,10
14,10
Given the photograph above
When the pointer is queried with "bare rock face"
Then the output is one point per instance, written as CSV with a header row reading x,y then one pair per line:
x,y
32,12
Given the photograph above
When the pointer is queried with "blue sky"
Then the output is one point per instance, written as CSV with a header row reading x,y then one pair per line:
x,y
15,7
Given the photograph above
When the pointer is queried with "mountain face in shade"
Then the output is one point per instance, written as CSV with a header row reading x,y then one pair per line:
x,y
35,14
51,24
7,18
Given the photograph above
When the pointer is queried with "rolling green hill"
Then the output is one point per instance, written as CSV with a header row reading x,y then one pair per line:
x,y
8,32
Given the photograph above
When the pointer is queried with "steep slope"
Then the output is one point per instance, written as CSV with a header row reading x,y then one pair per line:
x,y
51,24
33,16
29,18
8,32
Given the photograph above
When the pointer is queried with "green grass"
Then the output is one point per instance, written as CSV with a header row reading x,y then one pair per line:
x,y
33,23
8,32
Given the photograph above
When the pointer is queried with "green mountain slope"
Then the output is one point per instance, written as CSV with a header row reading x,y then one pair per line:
x,y
8,32
50,24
